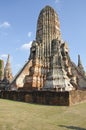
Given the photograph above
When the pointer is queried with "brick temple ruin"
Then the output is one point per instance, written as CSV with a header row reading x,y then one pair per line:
x,y
49,67
5,74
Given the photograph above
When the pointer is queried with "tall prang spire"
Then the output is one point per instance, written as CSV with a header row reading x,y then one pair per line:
x,y
8,71
79,62
80,66
1,69
48,25
48,28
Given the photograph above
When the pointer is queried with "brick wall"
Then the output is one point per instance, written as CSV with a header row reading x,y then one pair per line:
x,y
77,96
46,97
40,97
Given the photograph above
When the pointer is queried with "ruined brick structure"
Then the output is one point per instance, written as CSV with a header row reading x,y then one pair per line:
x,y
7,70
1,69
5,74
49,66
64,98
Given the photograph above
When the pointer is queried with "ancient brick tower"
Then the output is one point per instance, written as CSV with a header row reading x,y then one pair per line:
x,y
5,74
49,66
7,71
1,69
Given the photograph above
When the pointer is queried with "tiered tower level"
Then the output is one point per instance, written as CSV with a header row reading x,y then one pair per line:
x,y
49,66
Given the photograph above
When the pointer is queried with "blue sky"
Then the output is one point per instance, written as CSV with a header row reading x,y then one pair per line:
x,y
18,20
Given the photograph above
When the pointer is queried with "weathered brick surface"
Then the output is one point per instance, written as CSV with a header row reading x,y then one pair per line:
x,y
77,96
46,97
40,97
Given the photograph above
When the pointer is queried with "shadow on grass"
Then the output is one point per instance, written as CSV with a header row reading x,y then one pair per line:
x,y
72,127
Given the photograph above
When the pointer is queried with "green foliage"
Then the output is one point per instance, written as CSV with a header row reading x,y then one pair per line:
x,y
0,64
0,73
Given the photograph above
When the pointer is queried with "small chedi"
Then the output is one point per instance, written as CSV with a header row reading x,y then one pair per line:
x,y
5,74
49,66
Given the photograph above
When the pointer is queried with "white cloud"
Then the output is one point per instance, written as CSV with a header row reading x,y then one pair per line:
x,y
57,1
18,66
26,46
5,25
4,56
29,34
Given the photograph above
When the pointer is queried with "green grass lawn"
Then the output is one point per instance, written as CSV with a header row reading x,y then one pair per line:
x,y
24,116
